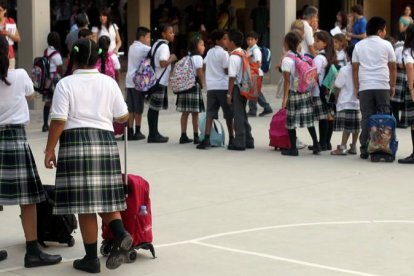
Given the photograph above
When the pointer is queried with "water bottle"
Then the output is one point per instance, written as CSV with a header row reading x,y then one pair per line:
x,y
143,210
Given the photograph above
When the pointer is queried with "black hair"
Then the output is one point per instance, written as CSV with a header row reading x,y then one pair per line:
x,y
252,34
193,44
217,35
292,41
4,4
310,11
82,20
84,54
106,12
4,59
53,39
103,43
142,31
409,40
350,51
330,52
375,24
236,37
357,9
402,36
344,19
84,33
163,28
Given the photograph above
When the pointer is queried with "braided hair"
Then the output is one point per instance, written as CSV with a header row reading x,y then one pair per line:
x,y
103,43
4,59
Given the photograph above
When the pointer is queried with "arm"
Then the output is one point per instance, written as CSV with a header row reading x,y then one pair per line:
x,y
15,37
166,63
31,97
393,76
355,77
122,119
200,75
358,36
55,130
286,86
118,41
230,91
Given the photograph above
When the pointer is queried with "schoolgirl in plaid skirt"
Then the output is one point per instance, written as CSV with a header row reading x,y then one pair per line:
x,y
88,176
192,102
397,101
19,179
299,105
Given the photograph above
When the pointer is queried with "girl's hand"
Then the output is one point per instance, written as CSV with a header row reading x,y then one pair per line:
x,y
50,159
284,103
229,99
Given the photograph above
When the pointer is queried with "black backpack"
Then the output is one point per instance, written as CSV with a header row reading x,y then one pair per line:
x,y
41,77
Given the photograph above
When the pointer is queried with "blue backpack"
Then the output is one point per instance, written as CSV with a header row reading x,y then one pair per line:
x,y
217,136
266,59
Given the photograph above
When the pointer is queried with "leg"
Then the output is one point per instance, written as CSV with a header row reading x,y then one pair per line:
x,y
152,117
368,108
323,133
396,110
138,119
194,117
239,108
29,221
293,151
329,134
184,120
266,106
316,147
46,110
345,137
252,107
89,228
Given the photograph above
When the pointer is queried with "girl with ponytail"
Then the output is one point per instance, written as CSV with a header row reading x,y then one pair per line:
x,y
108,62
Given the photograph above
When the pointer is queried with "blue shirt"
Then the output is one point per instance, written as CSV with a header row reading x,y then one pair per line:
x,y
360,27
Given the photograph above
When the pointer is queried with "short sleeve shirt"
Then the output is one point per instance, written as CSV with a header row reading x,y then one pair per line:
x,y
359,27
162,54
55,61
256,54
320,62
288,66
408,56
347,98
110,32
216,61
308,40
136,53
235,66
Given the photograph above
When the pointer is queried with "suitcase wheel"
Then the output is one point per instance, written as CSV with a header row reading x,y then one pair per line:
x,y
105,248
132,256
374,158
71,242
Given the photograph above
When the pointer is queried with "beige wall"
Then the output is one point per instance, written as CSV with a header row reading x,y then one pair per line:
x,y
378,8
139,12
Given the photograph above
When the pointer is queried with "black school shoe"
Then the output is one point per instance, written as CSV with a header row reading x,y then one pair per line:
x,y
290,152
157,139
42,259
204,144
87,265
407,160
45,128
138,136
233,147
316,149
363,153
265,112
119,251
185,140
3,255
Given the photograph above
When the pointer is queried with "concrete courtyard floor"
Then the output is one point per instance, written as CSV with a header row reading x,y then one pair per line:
x,y
218,212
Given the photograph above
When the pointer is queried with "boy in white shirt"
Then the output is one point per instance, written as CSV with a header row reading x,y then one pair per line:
x,y
256,57
243,137
374,74
135,99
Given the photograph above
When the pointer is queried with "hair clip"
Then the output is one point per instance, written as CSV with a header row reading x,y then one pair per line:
x,y
76,49
99,51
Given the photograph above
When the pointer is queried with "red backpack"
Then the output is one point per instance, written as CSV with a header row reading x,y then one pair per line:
x,y
109,65
250,84
278,133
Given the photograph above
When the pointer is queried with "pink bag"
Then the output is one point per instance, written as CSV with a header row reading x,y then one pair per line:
x,y
118,128
278,133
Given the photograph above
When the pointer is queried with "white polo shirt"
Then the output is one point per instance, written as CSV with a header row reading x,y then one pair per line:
x,y
55,61
373,55
216,61
88,99
236,66
320,62
288,66
308,38
347,98
13,104
110,32
408,56
136,53
162,54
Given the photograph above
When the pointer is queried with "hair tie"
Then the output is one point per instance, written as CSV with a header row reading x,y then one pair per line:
x,y
99,51
76,49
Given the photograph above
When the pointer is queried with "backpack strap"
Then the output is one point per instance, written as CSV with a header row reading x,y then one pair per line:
x,y
152,57
51,54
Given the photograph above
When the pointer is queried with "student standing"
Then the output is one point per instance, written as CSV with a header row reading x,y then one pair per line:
x,y
341,44
9,30
88,175
374,74
19,180
243,132
398,100
108,62
135,99
359,28
109,29
310,18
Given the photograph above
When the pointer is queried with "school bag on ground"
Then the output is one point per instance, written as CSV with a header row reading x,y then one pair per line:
x,y
278,133
382,142
144,78
217,135
53,228
183,77
137,218
41,76
266,59
250,83
306,71
109,65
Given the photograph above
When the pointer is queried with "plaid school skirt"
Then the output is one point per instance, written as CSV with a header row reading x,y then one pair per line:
x,y
191,101
88,175
320,111
299,110
158,99
401,88
19,180
348,121
408,112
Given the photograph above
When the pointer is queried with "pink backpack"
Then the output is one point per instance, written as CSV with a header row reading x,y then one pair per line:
x,y
109,65
306,71
278,133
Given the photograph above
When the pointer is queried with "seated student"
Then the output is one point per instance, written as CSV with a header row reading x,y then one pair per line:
x,y
243,132
216,65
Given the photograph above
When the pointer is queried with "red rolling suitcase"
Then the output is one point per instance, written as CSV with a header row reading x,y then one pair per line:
x,y
137,218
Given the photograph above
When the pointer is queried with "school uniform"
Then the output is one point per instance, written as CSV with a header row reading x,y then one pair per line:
x,y
88,176
192,101
135,99
401,84
217,82
242,129
341,58
55,61
109,32
299,105
409,102
19,179
320,110
348,116
158,99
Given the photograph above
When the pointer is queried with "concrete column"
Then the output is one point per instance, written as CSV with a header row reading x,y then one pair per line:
x,y
138,14
282,14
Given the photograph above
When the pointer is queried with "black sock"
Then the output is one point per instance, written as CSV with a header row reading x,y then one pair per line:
x,y
292,138
207,136
330,132
195,134
130,131
152,122
117,228
91,250
137,129
46,110
32,248
312,133
183,134
323,132
412,138
395,110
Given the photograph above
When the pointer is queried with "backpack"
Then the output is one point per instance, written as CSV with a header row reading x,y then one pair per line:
x,y
183,77
250,84
109,65
306,71
144,77
41,77
217,136
278,133
266,59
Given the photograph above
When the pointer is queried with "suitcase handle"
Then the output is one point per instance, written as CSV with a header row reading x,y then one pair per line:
x,y
125,178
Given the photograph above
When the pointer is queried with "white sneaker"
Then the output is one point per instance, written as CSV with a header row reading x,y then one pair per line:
x,y
299,144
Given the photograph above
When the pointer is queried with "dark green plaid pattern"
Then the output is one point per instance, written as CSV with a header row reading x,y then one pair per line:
x,y
158,99
19,180
88,176
348,121
408,112
320,111
190,101
299,110
401,87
